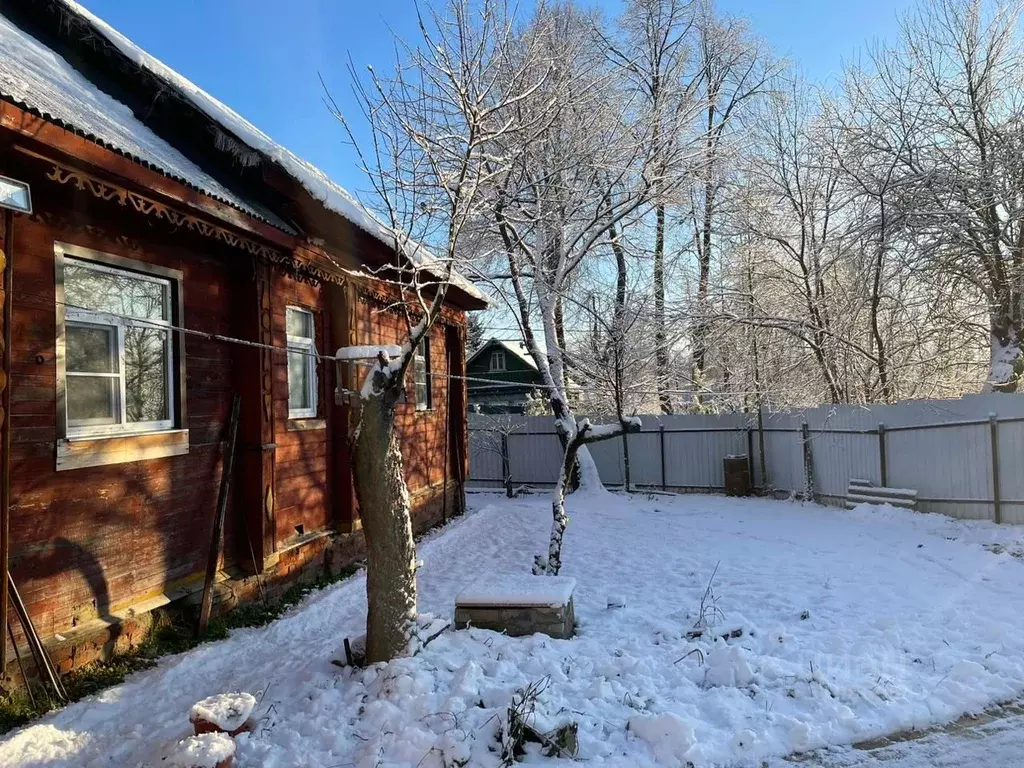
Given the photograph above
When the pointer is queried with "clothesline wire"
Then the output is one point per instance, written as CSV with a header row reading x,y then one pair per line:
x,y
487,383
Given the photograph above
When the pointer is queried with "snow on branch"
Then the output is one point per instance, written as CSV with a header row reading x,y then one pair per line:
x,y
367,352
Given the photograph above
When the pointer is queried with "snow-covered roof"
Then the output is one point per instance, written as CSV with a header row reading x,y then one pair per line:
x,y
36,78
514,346
316,182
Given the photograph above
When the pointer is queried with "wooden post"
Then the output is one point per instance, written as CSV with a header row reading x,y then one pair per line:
x,y
626,480
254,381
993,426
343,303
805,434
218,520
661,439
762,458
882,468
7,302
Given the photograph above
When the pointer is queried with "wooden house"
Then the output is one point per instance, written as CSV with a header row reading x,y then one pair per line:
x,y
503,378
174,256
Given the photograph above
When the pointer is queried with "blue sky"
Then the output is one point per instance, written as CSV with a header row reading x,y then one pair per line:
x,y
262,57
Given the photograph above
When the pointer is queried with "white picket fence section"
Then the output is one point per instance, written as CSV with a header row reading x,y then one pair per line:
x,y
964,457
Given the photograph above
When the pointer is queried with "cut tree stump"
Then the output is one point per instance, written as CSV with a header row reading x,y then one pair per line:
x,y
519,605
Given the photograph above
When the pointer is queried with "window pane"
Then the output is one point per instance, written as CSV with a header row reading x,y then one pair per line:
x,y
300,323
298,381
89,349
91,398
119,294
421,375
145,374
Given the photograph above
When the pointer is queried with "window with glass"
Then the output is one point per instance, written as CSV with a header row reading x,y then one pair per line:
x,y
302,387
119,353
421,376
498,361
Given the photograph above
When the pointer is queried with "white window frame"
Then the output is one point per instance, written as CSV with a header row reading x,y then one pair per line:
x,y
498,354
75,316
307,345
423,353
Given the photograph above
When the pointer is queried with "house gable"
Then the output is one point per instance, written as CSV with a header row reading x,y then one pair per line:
x,y
516,370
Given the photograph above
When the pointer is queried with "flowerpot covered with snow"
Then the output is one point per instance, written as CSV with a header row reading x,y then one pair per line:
x,y
208,750
224,713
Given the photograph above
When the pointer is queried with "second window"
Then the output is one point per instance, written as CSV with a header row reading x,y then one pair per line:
x,y
302,385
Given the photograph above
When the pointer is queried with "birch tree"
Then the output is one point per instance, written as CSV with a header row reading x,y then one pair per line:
x,y
589,166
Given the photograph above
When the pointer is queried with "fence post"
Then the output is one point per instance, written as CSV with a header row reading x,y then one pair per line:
x,y
750,456
993,428
883,470
762,458
805,434
661,441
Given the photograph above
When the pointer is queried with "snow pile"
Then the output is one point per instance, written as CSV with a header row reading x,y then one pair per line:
x,y
205,751
911,620
519,589
227,711
669,737
727,665
367,352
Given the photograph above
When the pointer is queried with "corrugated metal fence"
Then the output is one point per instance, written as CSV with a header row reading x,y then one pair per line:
x,y
964,457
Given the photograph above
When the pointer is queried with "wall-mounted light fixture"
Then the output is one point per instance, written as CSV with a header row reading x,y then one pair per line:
x,y
15,195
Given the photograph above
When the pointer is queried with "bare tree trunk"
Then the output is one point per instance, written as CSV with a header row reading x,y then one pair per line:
x,y
560,324
660,338
755,352
618,341
506,468
559,520
1006,364
387,523
876,297
586,434
700,335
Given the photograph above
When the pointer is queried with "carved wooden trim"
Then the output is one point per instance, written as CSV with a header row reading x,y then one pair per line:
x,y
264,289
110,192
387,301
104,190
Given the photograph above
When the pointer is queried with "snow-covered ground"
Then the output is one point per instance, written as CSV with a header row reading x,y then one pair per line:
x,y
854,625
997,744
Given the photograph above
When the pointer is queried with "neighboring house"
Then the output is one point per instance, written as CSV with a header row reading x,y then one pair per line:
x,y
516,380
164,232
